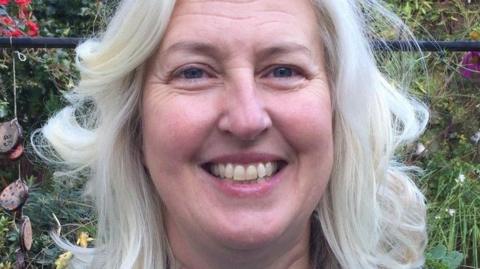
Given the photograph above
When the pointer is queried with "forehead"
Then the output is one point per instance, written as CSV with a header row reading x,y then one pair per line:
x,y
241,9
243,22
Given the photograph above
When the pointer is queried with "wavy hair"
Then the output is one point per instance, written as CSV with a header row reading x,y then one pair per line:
x,y
372,214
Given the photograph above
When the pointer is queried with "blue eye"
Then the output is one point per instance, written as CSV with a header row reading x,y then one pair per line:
x,y
192,73
283,72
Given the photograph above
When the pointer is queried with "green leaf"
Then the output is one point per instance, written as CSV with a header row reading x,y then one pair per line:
x,y
438,252
407,10
453,259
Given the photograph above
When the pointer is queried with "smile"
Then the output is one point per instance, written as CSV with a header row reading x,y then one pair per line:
x,y
244,173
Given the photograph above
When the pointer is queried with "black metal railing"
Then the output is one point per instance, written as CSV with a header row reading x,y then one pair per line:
x,y
395,45
39,42
437,46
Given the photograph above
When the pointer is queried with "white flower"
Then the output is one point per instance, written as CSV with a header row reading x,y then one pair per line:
x,y
420,148
460,179
475,138
451,211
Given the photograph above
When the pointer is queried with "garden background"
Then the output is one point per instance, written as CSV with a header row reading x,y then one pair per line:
x,y
449,151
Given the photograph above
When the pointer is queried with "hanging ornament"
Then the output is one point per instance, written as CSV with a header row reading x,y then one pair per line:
x,y
16,153
11,140
14,196
25,234
10,135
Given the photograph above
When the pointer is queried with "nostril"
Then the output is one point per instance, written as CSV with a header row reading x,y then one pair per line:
x,y
246,119
246,130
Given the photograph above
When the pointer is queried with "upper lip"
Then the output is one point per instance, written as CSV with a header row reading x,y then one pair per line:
x,y
246,158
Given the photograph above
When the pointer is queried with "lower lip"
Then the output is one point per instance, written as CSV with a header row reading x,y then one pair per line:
x,y
248,190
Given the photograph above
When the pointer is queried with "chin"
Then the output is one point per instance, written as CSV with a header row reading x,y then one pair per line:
x,y
251,234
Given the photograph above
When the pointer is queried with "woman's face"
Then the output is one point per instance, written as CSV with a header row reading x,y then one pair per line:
x,y
238,91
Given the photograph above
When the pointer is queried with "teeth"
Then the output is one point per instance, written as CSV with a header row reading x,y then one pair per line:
x,y
261,171
215,170
221,170
251,173
269,168
239,172
228,171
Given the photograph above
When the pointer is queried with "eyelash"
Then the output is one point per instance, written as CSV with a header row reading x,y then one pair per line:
x,y
295,71
180,72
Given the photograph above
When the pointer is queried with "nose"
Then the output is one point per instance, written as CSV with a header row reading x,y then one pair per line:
x,y
244,115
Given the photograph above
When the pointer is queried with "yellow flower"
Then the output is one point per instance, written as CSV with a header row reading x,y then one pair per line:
x,y
6,265
474,35
63,260
83,239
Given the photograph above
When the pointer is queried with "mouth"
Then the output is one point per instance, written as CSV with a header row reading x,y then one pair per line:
x,y
245,173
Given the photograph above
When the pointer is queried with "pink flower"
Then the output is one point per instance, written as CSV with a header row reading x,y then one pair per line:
x,y
6,20
32,28
23,12
12,33
470,64
23,2
4,2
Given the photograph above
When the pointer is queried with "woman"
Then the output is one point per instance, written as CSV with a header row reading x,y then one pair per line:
x,y
242,134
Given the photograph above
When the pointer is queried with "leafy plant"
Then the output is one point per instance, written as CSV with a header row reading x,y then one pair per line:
x,y
23,24
41,80
440,258
451,161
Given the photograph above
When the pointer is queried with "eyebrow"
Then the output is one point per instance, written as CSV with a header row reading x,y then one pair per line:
x,y
211,50
192,47
282,49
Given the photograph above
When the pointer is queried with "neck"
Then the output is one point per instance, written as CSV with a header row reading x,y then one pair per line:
x,y
290,252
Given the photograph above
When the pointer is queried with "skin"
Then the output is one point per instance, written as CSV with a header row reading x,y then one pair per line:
x,y
220,84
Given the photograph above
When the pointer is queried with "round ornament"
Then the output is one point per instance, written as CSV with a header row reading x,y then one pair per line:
x,y
26,234
10,135
14,195
16,153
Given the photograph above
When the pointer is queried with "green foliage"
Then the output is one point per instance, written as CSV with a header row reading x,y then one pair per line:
x,y
448,20
41,80
452,170
440,258
73,18
4,229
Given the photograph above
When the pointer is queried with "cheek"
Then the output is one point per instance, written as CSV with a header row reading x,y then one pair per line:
x,y
174,127
306,121
306,124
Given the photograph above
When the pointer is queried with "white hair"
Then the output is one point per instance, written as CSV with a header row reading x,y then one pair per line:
x,y
372,214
